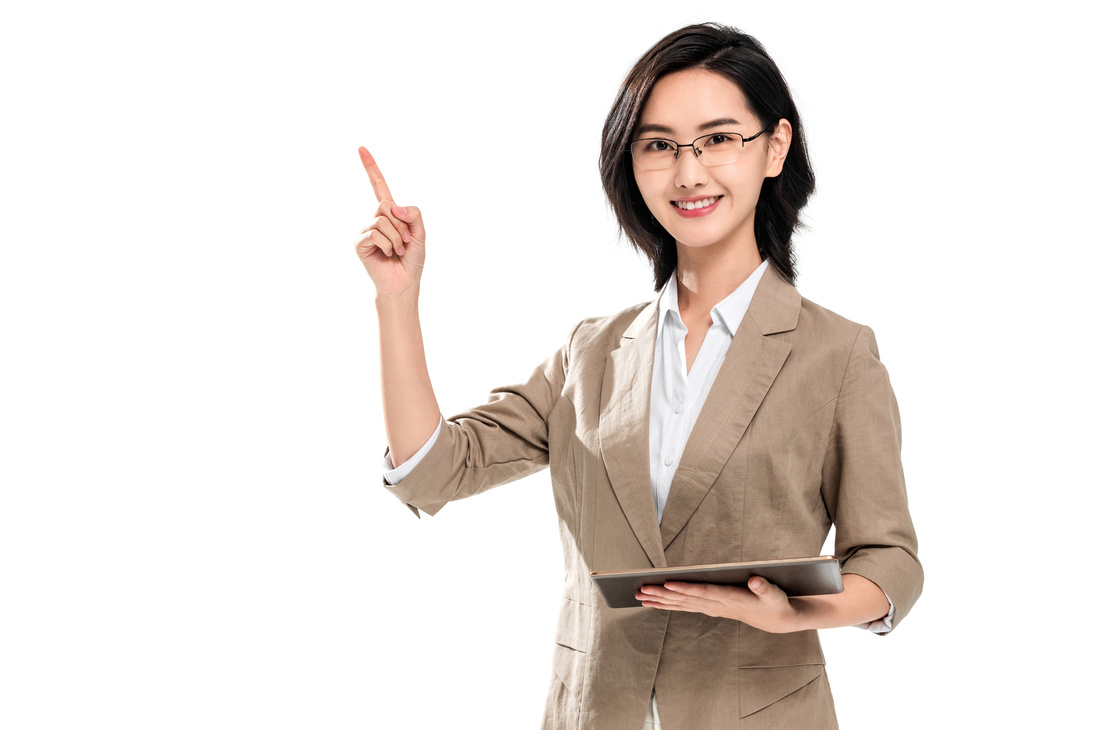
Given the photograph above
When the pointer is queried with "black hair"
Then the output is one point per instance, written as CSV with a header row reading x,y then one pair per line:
x,y
741,59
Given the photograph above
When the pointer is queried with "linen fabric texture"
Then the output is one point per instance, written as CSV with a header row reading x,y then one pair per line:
x,y
677,392
799,432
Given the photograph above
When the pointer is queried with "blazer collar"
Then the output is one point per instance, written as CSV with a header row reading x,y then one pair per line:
x,y
774,307
746,374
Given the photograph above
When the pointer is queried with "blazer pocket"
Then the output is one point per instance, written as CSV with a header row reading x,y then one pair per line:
x,y
758,648
569,668
571,643
573,628
763,686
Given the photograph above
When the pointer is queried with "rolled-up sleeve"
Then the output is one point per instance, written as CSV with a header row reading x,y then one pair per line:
x,y
496,443
863,483
393,474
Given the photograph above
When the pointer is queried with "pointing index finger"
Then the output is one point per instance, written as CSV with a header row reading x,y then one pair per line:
x,y
380,188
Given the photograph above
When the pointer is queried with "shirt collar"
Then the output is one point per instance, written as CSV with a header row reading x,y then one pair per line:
x,y
730,310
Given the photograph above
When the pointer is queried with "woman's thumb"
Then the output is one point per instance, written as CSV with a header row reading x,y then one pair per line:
x,y
411,216
758,585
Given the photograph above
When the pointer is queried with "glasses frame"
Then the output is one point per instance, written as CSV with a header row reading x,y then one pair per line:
x,y
696,150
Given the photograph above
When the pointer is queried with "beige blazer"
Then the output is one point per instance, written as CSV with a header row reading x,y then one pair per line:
x,y
800,431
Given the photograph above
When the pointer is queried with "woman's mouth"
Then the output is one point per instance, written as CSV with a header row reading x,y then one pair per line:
x,y
694,208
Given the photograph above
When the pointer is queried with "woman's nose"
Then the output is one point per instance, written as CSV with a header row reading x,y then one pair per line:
x,y
689,170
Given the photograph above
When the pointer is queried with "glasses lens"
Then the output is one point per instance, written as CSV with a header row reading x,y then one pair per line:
x,y
656,153
720,148
715,149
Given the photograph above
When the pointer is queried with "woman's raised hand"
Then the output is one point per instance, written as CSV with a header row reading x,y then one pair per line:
x,y
393,246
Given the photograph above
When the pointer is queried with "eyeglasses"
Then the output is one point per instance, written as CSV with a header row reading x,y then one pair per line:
x,y
720,148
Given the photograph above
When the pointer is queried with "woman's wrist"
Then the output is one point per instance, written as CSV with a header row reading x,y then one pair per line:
x,y
861,602
404,300
799,617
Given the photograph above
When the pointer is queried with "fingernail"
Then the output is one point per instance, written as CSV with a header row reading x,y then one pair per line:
x,y
399,210
401,250
406,236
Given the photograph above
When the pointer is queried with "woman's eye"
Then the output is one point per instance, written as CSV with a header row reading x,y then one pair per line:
x,y
659,145
717,139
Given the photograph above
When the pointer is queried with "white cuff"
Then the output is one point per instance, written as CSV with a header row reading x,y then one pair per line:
x,y
395,475
882,625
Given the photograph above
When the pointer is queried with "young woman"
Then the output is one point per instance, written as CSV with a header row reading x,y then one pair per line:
x,y
728,419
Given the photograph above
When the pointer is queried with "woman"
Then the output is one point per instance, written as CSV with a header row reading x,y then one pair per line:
x,y
728,419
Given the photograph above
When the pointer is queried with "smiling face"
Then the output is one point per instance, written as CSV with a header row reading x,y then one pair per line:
x,y
706,206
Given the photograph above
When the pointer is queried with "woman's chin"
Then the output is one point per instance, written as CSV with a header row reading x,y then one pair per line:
x,y
696,243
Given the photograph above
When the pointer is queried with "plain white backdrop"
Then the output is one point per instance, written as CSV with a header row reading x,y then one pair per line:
x,y
193,531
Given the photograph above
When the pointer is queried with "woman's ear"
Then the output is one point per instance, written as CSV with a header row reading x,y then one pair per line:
x,y
779,144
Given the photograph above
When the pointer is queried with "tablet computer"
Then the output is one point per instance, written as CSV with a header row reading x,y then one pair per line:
x,y
814,576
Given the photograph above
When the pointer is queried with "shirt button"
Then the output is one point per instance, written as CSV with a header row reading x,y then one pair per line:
x,y
679,408
668,460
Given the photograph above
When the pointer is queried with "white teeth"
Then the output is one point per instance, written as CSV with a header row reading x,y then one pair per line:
x,y
697,204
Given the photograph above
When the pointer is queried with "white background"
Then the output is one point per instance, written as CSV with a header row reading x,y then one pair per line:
x,y
193,531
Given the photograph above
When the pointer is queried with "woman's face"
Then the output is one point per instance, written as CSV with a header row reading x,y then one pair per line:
x,y
683,106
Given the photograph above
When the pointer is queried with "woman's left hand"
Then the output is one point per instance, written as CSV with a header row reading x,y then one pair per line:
x,y
762,605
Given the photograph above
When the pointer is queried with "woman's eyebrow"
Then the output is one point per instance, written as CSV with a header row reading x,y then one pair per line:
x,y
662,129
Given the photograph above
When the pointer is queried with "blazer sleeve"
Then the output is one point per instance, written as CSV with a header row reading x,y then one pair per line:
x,y
863,484
493,444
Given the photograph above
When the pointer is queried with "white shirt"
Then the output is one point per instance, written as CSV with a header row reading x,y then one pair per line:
x,y
676,394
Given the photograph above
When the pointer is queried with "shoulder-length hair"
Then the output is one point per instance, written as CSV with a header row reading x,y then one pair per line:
x,y
743,60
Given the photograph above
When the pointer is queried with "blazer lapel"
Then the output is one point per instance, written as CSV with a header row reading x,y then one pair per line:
x,y
625,429
750,367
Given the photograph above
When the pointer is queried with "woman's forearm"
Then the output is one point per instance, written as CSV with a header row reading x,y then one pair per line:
x,y
862,601
411,412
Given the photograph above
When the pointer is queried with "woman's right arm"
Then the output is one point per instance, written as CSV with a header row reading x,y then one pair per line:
x,y
393,250
498,442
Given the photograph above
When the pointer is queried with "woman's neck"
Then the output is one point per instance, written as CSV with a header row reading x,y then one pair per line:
x,y
706,276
